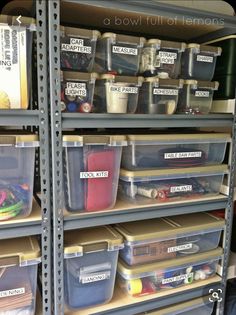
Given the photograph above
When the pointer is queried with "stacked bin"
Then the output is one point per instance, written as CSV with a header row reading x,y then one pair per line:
x,y
170,252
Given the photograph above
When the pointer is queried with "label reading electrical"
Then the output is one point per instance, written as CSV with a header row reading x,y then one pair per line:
x,y
205,58
202,93
165,91
177,278
179,248
124,89
183,188
124,50
182,155
98,174
75,89
76,45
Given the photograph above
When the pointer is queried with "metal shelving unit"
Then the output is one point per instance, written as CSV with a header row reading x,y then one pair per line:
x,y
70,11
39,221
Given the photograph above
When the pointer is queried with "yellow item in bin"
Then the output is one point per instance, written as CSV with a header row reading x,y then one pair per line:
x,y
134,286
4,100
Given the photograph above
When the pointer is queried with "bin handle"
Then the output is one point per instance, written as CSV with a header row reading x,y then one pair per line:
x,y
10,140
9,261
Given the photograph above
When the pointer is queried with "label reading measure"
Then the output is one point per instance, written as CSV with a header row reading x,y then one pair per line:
x,y
165,91
124,50
205,58
182,188
182,155
124,89
179,248
12,292
98,174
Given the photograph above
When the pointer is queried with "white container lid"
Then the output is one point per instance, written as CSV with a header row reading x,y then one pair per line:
x,y
18,140
78,141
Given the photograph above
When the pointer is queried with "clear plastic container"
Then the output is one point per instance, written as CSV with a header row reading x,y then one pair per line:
x,y
199,61
78,48
15,61
91,171
158,186
159,96
118,54
196,97
90,266
117,94
156,277
17,155
168,238
77,91
159,56
19,259
200,306
174,150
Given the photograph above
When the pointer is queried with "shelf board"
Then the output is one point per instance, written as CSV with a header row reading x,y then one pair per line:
x,y
77,120
19,117
125,212
122,304
19,227
223,106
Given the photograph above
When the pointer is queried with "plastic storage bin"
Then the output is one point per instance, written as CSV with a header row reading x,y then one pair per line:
x,y
196,97
19,259
199,61
15,61
91,171
159,96
161,57
174,150
78,48
167,238
118,54
17,154
200,306
156,277
90,266
158,186
117,94
77,91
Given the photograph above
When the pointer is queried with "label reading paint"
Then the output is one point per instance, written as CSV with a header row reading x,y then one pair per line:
x,y
124,89
124,50
179,248
76,45
177,278
95,277
182,155
12,292
167,57
75,89
165,91
175,189
202,93
205,58
98,174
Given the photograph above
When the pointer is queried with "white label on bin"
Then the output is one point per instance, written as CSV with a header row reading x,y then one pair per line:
x,y
182,155
202,93
124,89
12,292
98,174
95,277
205,58
76,45
165,91
125,50
179,248
177,278
167,57
75,89
175,189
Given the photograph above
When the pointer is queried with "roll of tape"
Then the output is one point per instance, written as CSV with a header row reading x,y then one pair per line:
x,y
135,286
147,192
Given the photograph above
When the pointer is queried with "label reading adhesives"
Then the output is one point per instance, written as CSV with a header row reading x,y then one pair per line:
x,y
76,45
124,50
95,277
202,93
182,155
177,278
75,89
205,58
165,91
124,89
179,248
12,292
167,57
98,174
182,188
